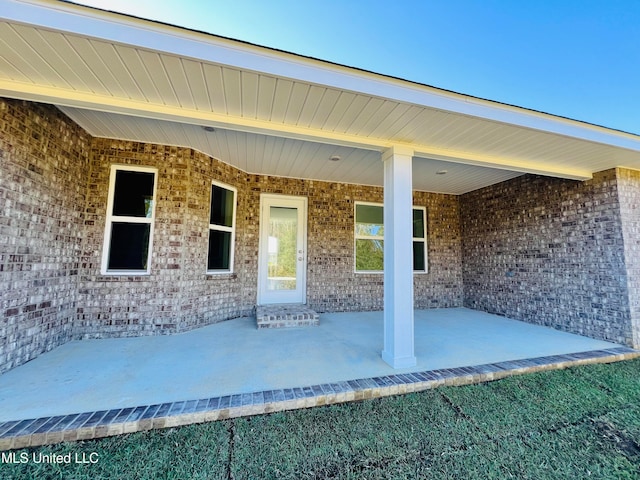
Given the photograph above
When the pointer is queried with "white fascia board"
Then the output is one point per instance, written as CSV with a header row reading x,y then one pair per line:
x,y
150,35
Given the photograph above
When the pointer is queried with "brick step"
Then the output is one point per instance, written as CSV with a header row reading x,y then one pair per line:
x,y
286,315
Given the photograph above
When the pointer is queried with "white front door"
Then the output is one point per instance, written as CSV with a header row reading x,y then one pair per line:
x,y
282,257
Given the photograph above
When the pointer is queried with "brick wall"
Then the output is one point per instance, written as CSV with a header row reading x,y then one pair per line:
x,y
629,195
539,249
548,251
332,284
43,175
178,295
442,287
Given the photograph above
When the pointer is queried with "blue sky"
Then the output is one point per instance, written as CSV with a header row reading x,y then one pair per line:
x,y
574,58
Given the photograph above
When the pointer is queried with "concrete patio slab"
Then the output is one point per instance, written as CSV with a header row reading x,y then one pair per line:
x,y
234,357
112,387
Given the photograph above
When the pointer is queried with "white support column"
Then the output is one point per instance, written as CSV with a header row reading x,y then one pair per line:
x,y
398,258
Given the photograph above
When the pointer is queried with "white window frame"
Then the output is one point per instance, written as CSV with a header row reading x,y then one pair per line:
x,y
223,228
111,218
381,237
357,237
422,239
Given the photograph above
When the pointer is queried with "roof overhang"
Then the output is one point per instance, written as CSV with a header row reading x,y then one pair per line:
x,y
165,82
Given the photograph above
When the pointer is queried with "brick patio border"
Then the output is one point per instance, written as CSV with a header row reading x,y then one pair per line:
x,y
104,423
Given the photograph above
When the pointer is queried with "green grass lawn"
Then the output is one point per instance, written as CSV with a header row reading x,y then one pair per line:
x,y
578,423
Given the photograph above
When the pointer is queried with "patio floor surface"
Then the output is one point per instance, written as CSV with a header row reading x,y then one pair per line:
x,y
94,388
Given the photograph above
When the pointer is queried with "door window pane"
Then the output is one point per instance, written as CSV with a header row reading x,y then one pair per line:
x,y
282,248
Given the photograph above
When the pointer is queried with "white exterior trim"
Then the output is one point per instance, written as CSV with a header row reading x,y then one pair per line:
x,y
381,237
210,48
364,237
398,266
423,240
110,218
74,99
222,228
266,200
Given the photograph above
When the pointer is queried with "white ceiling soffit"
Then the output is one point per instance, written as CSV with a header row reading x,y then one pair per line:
x,y
265,154
75,56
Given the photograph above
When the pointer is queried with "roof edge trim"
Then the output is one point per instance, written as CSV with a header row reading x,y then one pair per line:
x,y
147,34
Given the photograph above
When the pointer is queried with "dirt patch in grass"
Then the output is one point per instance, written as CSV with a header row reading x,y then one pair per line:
x,y
620,440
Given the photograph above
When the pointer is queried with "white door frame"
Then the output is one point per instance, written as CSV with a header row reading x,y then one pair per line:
x,y
268,200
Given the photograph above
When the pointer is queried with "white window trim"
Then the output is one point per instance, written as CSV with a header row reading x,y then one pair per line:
x,y
381,237
364,237
119,218
423,239
222,228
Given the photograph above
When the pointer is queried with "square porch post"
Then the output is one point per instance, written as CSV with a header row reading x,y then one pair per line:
x,y
398,258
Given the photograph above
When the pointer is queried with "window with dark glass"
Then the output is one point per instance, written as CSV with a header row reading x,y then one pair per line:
x,y
221,229
129,226
419,240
